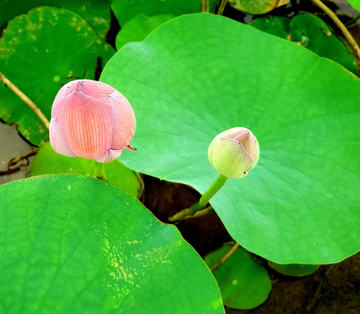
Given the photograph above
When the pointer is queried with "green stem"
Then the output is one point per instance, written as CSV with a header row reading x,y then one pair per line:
x,y
205,6
25,99
202,212
100,171
342,27
222,7
352,21
225,257
211,191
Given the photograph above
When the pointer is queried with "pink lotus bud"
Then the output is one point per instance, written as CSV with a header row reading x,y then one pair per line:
x,y
90,119
234,152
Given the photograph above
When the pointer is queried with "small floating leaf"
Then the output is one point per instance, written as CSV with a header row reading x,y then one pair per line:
x,y
243,282
294,270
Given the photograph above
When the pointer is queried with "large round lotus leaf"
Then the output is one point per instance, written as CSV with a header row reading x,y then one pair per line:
x,y
47,161
139,27
311,32
73,244
300,204
243,282
126,10
96,12
39,52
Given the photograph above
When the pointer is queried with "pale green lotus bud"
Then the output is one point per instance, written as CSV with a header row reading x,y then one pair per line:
x,y
234,153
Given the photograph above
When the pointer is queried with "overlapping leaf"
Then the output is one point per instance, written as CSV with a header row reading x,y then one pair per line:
x,y
139,18
139,27
355,4
257,7
300,203
47,161
125,10
244,283
312,33
275,25
96,12
294,270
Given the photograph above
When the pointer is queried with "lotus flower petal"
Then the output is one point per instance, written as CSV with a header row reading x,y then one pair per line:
x,y
97,90
110,155
56,140
247,140
86,125
93,120
124,122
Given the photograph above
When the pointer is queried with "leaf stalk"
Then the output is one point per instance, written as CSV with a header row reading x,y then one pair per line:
x,y
342,27
99,171
200,205
25,99
225,257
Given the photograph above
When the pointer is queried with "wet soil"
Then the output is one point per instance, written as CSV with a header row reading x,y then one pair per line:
x,y
332,289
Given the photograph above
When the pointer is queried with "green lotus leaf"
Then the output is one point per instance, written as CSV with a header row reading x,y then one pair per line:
x,y
257,6
300,203
294,270
125,10
355,4
73,244
139,27
47,161
243,282
95,12
311,32
39,52
275,25
318,37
